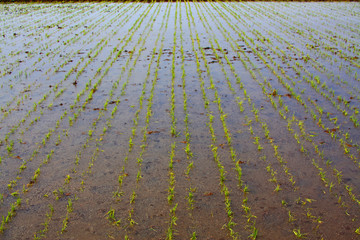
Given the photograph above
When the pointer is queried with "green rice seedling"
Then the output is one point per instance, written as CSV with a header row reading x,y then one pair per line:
x,y
298,234
291,217
67,179
130,219
138,177
15,194
132,197
111,215
69,206
189,167
193,236
277,189
65,224
245,189
254,233
188,151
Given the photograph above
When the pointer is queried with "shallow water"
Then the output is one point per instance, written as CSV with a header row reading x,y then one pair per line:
x,y
179,120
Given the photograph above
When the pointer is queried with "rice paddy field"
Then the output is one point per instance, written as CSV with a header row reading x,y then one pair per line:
x,y
180,120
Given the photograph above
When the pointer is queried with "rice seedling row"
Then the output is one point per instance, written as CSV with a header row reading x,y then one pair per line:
x,y
259,147
134,175
47,137
224,120
91,134
57,95
214,148
264,126
67,180
31,54
44,139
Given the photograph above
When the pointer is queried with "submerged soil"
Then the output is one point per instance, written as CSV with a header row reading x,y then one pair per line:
x,y
180,121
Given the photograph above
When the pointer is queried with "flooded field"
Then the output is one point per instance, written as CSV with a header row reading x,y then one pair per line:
x,y
200,120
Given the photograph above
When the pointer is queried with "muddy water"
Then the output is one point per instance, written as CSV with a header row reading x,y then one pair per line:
x,y
87,97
